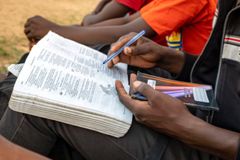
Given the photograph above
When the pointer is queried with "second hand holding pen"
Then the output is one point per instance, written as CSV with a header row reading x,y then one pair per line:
x,y
130,42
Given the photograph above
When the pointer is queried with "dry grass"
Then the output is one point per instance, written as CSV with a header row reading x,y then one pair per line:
x,y
14,13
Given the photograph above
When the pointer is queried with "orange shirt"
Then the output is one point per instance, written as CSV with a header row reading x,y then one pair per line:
x,y
183,24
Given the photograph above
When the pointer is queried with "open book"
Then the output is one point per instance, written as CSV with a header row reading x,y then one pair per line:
x,y
65,81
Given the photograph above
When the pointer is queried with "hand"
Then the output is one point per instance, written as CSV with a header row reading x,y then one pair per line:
x,y
161,112
36,27
147,54
31,44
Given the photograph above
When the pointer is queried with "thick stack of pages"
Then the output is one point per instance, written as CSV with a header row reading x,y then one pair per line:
x,y
65,81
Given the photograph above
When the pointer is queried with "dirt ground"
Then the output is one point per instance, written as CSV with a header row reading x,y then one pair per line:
x,y
14,13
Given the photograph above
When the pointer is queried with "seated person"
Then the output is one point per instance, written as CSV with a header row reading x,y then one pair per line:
x,y
187,136
186,24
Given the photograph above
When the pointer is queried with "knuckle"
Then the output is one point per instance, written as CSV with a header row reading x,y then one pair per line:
x,y
140,118
132,34
143,88
37,16
114,45
155,97
121,38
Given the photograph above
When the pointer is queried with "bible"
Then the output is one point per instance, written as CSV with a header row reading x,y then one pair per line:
x,y
66,81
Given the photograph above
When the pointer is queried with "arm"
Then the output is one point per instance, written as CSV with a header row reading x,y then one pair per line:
x,y
176,120
208,138
11,151
37,27
118,21
111,10
100,6
170,116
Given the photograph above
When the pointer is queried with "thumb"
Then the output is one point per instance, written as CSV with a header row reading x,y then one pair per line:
x,y
138,50
144,89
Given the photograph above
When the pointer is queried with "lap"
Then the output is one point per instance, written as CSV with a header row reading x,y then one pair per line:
x,y
140,142
40,135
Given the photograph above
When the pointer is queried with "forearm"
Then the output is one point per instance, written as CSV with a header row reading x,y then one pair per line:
x,y
115,21
89,35
208,138
118,21
101,35
100,6
110,11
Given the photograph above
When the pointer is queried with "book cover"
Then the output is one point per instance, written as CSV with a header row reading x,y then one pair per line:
x,y
194,95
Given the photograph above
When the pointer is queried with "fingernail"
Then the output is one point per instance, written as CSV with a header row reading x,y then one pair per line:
x,y
136,84
127,50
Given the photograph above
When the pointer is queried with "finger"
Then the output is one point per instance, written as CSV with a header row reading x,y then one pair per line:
x,y
121,42
27,23
27,30
30,36
110,64
144,89
139,49
133,78
125,98
116,60
116,46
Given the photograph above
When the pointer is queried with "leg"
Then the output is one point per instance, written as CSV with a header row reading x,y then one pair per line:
x,y
139,143
61,149
6,87
16,128
40,135
179,151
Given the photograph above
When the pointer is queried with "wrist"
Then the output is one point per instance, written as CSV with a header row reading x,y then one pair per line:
x,y
172,60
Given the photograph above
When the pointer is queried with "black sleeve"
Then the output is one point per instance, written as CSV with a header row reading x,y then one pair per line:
x,y
186,71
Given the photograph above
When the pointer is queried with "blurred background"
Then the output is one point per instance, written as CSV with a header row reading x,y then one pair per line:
x,y
14,13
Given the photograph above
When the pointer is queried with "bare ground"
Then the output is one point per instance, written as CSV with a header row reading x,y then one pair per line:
x,y
14,13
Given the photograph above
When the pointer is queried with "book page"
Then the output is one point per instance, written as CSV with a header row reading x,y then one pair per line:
x,y
68,73
15,69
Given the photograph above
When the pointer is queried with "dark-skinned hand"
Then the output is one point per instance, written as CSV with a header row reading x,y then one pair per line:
x,y
147,54
36,27
161,112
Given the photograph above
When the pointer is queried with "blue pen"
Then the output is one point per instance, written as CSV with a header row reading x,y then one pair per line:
x,y
130,42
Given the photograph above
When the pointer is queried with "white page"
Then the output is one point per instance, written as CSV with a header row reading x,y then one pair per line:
x,y
67,72
15,69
